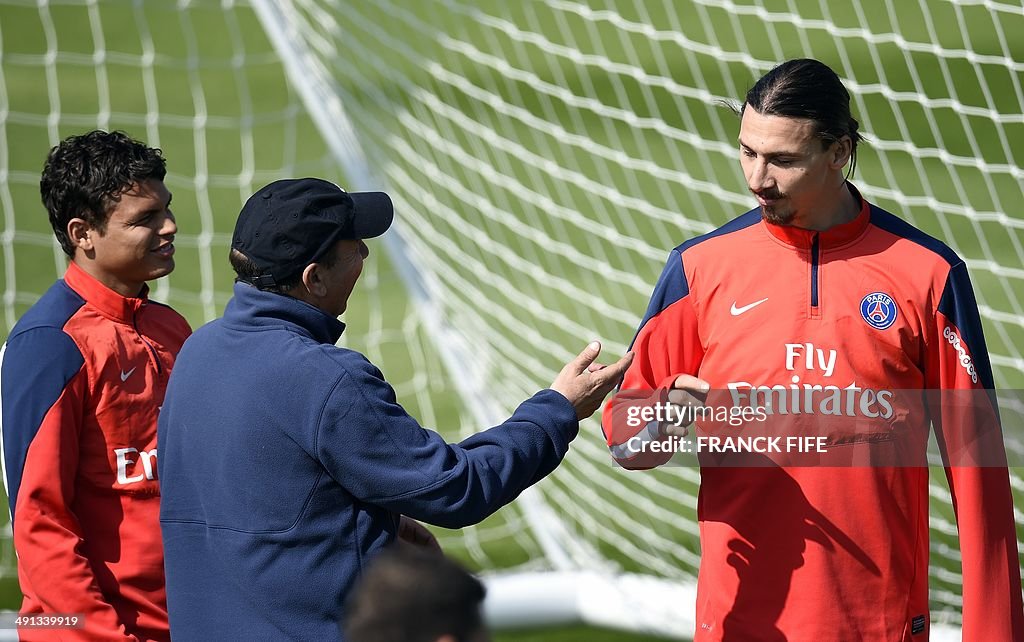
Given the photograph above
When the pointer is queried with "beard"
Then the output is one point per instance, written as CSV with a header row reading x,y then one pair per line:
x,y
777,215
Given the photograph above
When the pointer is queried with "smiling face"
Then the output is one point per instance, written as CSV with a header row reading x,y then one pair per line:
x,y
793,175
136,244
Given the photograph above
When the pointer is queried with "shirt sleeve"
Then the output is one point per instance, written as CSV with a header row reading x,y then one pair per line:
x,y
967,428
381,455
666,345
43,383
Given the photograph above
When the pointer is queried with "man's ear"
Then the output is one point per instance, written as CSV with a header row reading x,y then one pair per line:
x,y
312,282
81,234
841,151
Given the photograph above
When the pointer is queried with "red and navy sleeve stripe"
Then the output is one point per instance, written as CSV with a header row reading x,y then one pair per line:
x,y
957,303
960,307
37,362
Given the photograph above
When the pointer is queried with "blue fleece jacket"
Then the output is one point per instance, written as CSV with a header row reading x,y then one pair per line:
x,y
285,461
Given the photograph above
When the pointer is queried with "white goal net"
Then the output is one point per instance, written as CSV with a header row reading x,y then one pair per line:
x,y
544,157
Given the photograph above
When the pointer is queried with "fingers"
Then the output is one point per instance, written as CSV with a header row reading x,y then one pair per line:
x,y
688,394
691,384
601,382
584,359
623,363
683,398
613,373
687,402
413,533
674,430
585,383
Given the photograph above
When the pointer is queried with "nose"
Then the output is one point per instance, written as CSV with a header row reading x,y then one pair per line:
x,y
759,178
170,226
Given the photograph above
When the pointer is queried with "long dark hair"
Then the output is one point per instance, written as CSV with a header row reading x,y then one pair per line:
x,y
807,88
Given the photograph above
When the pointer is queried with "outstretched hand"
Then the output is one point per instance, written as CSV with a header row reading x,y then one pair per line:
x,y
585,383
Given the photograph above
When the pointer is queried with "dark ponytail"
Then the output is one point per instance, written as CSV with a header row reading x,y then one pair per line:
x,y
807,88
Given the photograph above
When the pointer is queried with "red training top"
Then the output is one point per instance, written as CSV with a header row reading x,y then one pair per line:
x,y
82,379
847,329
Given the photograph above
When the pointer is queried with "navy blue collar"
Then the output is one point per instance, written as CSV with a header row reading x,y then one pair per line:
x,y
256,308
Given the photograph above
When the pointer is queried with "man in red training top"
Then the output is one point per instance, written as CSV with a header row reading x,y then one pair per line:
x,y
82,379
818,308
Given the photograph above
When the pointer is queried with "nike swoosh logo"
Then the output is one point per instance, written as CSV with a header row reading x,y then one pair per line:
x,y
738,311
125,375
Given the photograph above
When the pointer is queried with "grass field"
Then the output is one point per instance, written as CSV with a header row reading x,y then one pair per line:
x,y
544,157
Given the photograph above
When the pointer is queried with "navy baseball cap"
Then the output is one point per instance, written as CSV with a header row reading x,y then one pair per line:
x,y
291,223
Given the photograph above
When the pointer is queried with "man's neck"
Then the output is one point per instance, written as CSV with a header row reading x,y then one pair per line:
x,y
130,290
846,209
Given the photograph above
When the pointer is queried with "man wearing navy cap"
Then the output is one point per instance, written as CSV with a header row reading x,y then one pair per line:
x,y
286,462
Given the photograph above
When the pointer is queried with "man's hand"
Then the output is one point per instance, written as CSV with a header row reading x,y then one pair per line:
x,y
412,533
688,393
585,383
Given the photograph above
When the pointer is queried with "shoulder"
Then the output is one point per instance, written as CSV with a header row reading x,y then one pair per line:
x,y
40,338
731,231
53,310
931,247
354,364
673,283
355,378
40,348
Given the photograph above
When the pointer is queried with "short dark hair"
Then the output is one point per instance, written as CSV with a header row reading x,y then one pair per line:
x,y
408,595
808,88
85,175
246,270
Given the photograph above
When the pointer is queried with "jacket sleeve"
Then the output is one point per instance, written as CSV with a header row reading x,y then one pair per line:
x,y
969,435
381,455
43,383
666,345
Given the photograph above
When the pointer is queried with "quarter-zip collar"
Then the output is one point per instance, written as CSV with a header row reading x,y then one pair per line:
x,y
251,307
110,304
834,237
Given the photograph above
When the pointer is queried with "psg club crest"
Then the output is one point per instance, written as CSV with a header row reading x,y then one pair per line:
x,y
879,310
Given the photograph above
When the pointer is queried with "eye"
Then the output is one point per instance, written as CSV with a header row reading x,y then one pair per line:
x,y
783,162
749,153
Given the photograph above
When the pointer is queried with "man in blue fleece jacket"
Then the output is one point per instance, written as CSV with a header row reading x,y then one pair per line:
x,y
286,462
